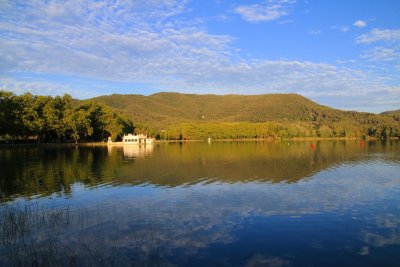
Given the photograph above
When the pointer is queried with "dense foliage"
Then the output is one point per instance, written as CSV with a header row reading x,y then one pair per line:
x,y
189,116
184,116
395,114
57,119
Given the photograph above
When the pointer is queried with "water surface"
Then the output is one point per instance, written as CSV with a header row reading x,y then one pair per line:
x,y
334,203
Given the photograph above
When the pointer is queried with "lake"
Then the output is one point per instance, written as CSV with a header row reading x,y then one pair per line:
x,y
327,203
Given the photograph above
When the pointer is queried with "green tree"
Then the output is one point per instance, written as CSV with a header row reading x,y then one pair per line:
x,y
9,109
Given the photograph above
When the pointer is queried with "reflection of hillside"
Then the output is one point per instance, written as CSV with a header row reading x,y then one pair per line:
x,y
241,162
349,204
30,171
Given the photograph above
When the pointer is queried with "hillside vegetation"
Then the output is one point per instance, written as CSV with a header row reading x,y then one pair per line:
x,y
395,114
183,116
164,108
57,119
190,116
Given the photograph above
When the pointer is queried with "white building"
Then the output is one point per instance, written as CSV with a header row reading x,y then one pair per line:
x,y
140,139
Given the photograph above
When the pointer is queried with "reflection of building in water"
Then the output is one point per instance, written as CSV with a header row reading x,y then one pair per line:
x,y
137,151
131,151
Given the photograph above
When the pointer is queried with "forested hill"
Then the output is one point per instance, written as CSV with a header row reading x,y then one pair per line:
x,y
394,113
162,109
176,115
182,116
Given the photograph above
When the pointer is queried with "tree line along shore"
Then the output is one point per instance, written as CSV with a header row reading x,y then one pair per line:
x,y
31,118
46,119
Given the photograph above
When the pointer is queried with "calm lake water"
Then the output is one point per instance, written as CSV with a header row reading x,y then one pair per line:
x,y
335,203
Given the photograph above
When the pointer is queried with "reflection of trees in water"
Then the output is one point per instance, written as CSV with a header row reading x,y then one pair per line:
x,y
174,165
181,222
156,224
29,171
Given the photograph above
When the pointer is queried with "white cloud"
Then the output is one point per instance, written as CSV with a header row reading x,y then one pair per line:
x,y
385,56
344,29
266,11
41,88
380,35
360,24
111,41
147,42
314,32
381,54
341,28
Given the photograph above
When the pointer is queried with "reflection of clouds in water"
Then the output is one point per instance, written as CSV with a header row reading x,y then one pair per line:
x,y
265,261
181,228
386,232
364,251
380,240
388,220
192,217
186,220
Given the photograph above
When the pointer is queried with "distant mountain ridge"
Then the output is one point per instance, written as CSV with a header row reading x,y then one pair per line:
x,y
171,107
165,110
393,113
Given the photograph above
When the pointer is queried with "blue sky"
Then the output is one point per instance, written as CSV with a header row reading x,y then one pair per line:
x,y
344,54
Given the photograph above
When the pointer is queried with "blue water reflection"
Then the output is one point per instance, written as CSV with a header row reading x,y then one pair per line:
x,y
232,206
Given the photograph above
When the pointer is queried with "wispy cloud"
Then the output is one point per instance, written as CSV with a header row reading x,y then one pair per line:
x,y
381,54
266,11
360,24
386,51
151,43
114,41
41,87
380,35
341,28
314,32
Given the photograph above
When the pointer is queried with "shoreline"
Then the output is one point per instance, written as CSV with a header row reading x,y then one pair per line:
x,y
294,139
